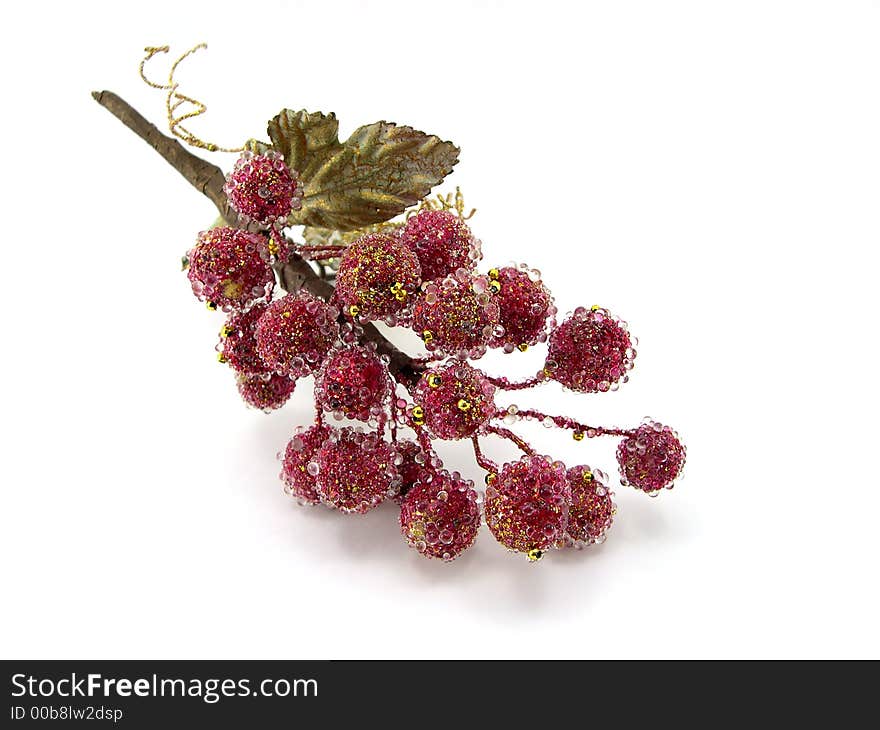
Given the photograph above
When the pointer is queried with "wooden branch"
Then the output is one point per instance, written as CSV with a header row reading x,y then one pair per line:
x,y
209,179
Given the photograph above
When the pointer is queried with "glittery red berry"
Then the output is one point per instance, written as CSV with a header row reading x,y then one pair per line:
x,y
295,333
354,470
262,188
440,517
238,346
527,505
353,382
525,305
442,241
652,458
376,278
453,400
298,454
456,316
590,351
230,268
265,392
591,510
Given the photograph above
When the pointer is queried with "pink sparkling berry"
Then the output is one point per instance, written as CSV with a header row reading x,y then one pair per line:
x,y
453,401
457,316
440,517
353,382
263,189
229,268
376,278
525,305
652,458
590,351
265,392
591,510
298,454
238,346
442,241
295,333
527,505
354,470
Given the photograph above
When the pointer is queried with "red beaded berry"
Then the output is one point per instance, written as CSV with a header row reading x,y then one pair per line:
x,y
525,307
265,392
457,316
527,505
238,347
298,454
652,458
453,401
229,268
353,383
442,241
354,470
376,278
295,333
591,511
590,351
440,517
263,189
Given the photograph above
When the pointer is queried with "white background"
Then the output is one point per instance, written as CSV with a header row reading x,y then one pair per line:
x,y
709,171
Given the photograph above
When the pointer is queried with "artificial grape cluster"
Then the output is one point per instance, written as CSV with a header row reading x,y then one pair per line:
x,y
419,273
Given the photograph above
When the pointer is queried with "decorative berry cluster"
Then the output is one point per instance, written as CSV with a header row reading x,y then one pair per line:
x,y
418,273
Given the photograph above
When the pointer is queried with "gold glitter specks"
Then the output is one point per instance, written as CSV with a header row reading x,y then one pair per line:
x,y
398,291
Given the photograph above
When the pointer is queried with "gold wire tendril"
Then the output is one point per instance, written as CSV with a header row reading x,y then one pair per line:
x,y
450,201
174,100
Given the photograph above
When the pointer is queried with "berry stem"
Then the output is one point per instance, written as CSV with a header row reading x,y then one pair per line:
x,y
427,449
511,436
484,461
306,248
319,253
572,425
505,384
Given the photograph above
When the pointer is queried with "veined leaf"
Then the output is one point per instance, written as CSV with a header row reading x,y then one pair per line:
x,y
380,171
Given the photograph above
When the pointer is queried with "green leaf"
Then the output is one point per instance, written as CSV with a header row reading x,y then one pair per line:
x,y
304,138
380,171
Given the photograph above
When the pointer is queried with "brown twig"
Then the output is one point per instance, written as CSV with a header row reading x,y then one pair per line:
x,y
208,179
